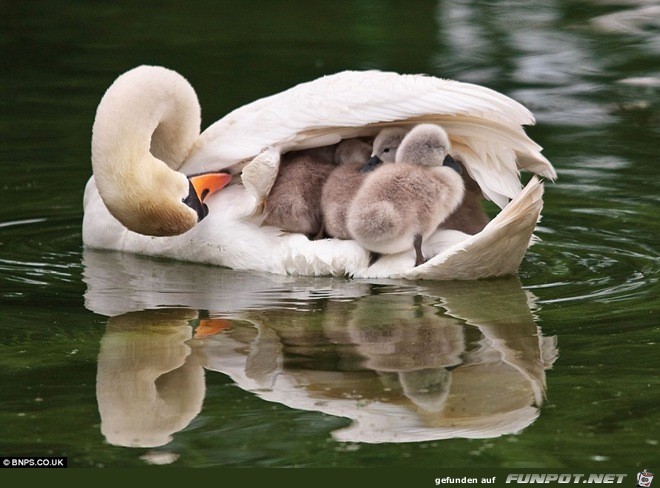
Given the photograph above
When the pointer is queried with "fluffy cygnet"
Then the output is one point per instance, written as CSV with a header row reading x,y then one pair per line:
x,y
341,186
293,203
470,216
385,146
401,204
355,159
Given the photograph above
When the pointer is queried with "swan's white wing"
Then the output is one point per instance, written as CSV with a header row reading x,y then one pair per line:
x,y
231,237
487,132
497,250
486,126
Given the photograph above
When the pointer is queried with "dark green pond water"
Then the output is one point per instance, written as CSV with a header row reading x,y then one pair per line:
x,y
107,358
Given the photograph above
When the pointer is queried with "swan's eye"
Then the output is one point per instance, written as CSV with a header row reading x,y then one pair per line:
x,y
386,150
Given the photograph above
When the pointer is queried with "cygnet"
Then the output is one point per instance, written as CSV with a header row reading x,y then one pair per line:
x,y
294,203
341,186
401,204
385,146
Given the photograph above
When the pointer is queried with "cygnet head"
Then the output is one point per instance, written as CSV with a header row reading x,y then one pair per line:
x,y
352,151
385,147
427,145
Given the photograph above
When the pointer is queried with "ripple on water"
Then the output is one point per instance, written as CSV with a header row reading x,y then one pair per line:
x,y
642,20
39,252
608,267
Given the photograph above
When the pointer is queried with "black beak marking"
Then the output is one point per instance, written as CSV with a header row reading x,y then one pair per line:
x,y
451,162
372,163
193,201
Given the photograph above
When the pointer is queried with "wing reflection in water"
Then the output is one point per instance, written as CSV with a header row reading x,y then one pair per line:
x,y
404,362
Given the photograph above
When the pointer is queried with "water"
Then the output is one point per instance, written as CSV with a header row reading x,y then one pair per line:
x,y
556,367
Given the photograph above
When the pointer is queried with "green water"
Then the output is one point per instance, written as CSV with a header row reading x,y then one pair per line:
x,y
97,349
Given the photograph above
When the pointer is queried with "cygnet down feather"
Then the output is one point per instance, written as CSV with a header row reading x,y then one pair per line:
x,y
401,204
293,203
341,186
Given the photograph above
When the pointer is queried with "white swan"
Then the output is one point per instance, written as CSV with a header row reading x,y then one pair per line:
x,y
145,126
141,126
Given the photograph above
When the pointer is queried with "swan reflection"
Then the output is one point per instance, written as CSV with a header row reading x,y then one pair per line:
x,y
403,362
148,383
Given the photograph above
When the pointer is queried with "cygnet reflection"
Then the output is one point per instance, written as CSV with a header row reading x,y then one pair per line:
x,y
403,362
409,343
399,366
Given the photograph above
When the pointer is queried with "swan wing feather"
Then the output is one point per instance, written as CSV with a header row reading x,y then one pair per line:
x,y
359,103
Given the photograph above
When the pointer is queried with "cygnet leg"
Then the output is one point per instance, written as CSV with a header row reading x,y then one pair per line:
x,y
417,244
373,257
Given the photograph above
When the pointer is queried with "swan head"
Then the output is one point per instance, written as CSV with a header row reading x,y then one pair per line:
x,y
427,145
385,147
145,126
153,200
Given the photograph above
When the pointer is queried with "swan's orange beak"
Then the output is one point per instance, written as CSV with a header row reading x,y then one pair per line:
x,y
207,183
209,327
200,187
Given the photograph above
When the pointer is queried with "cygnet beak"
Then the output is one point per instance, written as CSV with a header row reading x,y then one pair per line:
x,y
201,186
451,162
372,163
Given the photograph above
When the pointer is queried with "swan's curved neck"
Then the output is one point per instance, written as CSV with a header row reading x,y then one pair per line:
x,y
146,110
145,126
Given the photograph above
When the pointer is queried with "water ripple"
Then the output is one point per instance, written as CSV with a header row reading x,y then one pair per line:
x,y
40,251
568,271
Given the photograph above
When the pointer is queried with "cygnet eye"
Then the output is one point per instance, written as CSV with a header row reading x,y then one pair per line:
x,y
386,150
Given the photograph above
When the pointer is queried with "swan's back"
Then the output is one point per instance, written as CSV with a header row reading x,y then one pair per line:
x,y
486,127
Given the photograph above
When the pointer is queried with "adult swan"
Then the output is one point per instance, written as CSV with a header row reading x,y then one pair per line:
x,y
146,148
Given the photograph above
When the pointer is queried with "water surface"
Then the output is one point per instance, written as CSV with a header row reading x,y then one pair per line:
x,y
556,367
